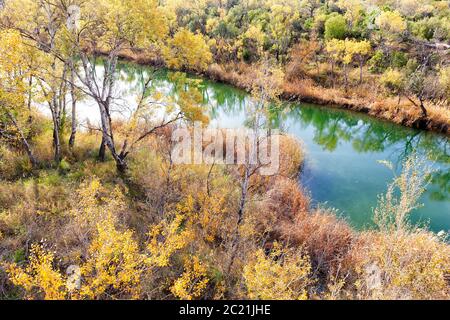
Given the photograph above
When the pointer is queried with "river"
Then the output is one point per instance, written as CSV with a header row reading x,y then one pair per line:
x,y
343,148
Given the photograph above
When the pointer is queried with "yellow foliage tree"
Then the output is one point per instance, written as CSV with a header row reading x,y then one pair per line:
x,y
345,51
15,72
390,22
187,50
280,28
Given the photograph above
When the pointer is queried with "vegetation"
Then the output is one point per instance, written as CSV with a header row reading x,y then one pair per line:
x,y
104,213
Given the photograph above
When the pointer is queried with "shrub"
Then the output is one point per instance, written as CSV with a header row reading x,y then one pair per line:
x,y
335,27
39,278
283,274
404,265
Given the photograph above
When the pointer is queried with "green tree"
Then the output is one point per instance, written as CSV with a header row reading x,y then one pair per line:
x,y
335,27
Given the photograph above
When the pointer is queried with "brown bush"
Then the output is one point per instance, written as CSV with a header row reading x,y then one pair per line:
x,y
327,239
286,200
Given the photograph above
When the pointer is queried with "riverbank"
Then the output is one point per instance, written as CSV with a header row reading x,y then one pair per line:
x,y
364,100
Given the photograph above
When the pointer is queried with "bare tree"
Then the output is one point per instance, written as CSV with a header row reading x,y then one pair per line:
x,y
266,89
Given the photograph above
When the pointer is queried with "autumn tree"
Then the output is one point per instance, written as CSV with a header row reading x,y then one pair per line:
x,y
46,28
265,91
391,24
360,50
344,51
14,89
187,51
110,27
281,29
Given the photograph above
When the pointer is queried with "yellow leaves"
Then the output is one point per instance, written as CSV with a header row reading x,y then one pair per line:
x,y
13,13
283,274
392,79
211,215
282,18
353,9
361,48
207,212
117,22
187,50
12,49
255,32
211,24
194,220
192,282
345,50
114,262
391,22
253,35
336,48
13,71
39,275
95,202
148,20
167,238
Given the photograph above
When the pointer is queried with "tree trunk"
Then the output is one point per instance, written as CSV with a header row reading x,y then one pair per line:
x,y
102,151
121,165
56,142
34,162
360,71
235,241
56,117
74,110
422,107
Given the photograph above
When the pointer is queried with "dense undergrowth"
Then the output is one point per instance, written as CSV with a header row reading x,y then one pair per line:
x,y
163,231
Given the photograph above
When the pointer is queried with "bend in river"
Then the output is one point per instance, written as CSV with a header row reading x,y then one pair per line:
x,y
343,148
